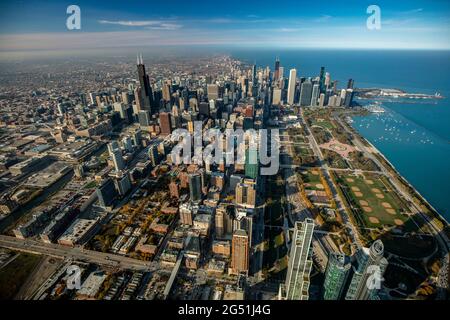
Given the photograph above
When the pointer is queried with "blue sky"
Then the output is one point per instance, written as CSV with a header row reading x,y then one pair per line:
x,y
40,25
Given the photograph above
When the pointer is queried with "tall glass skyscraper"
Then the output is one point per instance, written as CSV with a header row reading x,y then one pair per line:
x,y
306,93
146,89
370,264
336,276
195,186
251,163
300,263
291,86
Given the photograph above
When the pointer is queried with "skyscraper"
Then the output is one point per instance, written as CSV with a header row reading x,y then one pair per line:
x,y
195,186
240,252
306,93
116,155
281,73
315,95
291,86
164,122
127,144
146,89
254,79
322,87
300,263
348,98
276,75
246,193
186,214
106,193
336,276
370,266
137,137
144,118
203,108
322,100
251,163
122,183
213,91
350,83
153,155
276,96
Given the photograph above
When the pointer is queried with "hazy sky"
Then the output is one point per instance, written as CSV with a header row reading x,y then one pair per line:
x,y
41,25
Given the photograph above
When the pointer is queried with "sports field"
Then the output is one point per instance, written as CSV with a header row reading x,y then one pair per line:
x,y
373,200
311,179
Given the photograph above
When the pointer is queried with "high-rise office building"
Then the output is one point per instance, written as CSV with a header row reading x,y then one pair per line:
x,y
322,86
291,86
276,75
327,80
167,90
113,145
240,250
243,220
186,214
146,89
350,84
300,263
246,193
336,276
137,137
348,98
254,79
368,271
165,123
221,228
144,118
212,91
281,73
315,95
123,183
116,155
127,144
251,163
153,155
276,96
306,93
195,186
203,108
106,193
322,100
121,109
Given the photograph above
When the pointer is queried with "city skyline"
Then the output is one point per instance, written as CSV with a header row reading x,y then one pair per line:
x,y
224,151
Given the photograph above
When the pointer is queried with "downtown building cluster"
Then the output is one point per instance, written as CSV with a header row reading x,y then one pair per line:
x,y
124,194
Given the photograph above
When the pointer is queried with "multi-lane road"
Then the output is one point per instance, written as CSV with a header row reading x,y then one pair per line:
x,y
76,254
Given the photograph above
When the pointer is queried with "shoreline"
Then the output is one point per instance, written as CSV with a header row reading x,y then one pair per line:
x,y
399,176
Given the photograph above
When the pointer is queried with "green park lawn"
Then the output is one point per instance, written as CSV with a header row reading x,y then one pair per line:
x,y
377,204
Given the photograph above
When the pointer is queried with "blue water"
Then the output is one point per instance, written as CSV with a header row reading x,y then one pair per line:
x,y
413,134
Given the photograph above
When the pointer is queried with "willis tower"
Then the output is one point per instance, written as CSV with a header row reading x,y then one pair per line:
x,y
146,89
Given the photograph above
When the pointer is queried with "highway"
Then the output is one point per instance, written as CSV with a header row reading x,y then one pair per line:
x,y
76,254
